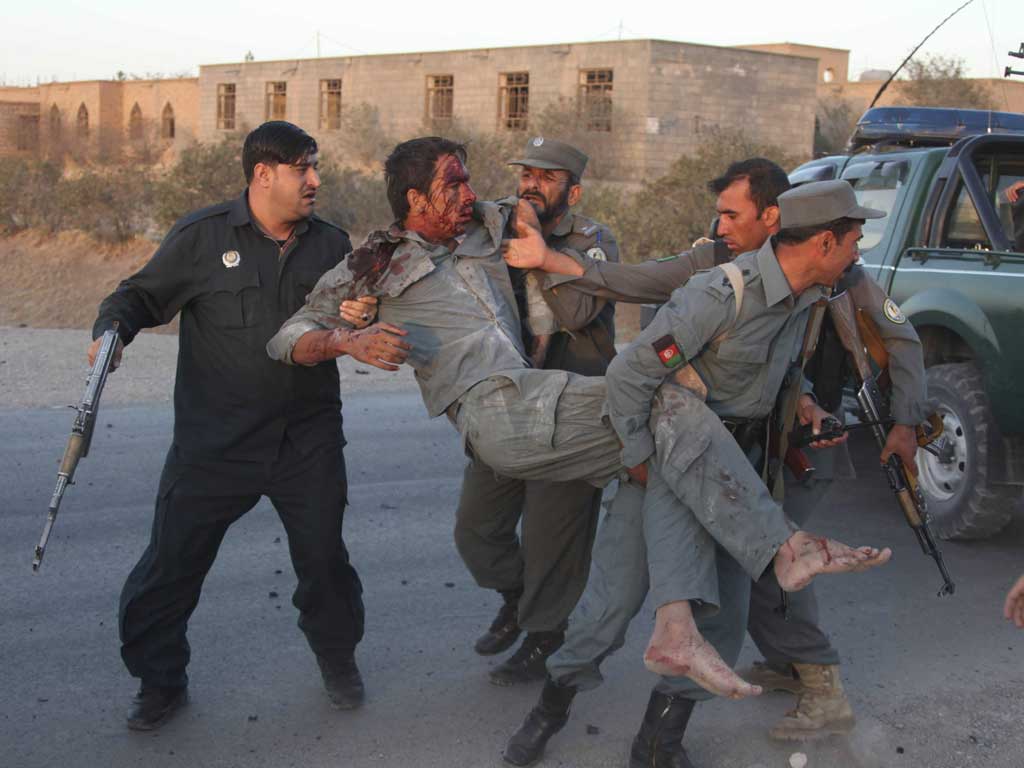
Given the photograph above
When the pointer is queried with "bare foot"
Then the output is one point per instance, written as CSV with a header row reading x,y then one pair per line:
x,y
805,556
678,649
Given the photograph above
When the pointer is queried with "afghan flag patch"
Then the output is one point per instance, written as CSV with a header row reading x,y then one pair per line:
x,y
668,351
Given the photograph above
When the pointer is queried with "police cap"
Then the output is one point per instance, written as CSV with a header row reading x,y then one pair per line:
x,y
820,202
552,155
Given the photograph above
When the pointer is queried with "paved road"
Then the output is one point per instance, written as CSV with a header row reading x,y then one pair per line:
x,y
935,682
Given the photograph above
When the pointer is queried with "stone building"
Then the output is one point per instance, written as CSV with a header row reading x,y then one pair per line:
x,y
99,119
637,105
648,101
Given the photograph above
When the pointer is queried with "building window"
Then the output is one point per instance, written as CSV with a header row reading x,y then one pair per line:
x,y
277,100
514,100
82,122
226,106
828,75
595,100
135,129
167,122
440,96
330,105
55,123
28,133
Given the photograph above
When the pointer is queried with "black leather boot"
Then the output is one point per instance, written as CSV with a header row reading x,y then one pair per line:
x,y
545,720
153,705
504,630
659,742
528,663
342,681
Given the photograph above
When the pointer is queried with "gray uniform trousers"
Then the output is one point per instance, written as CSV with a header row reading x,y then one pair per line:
x,y
711,491
619,583
616,590
796,637
559,521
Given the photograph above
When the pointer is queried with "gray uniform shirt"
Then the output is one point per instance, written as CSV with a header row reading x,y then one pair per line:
x,y
654,281
743,370
458,308
649,281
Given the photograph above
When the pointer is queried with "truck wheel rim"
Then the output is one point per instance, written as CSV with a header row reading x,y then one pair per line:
x,y
941,479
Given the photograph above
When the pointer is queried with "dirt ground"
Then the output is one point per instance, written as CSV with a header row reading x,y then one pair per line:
x,y
57,281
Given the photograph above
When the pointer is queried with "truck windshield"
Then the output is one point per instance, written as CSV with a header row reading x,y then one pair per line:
x,y
878,185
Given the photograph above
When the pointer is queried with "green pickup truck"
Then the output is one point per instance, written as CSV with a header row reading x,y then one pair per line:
x,y
951,254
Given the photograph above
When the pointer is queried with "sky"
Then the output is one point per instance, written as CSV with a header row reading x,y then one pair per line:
x,y
45,40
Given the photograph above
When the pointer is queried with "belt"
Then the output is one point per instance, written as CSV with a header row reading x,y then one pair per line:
x,y
747,432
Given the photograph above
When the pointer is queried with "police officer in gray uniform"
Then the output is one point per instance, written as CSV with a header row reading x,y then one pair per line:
x,y
748,214
618,587
541,576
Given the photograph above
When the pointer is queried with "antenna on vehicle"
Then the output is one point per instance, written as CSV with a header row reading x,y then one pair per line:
x,y
916,48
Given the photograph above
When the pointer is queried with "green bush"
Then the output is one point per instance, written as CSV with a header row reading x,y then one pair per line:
x,y
205,174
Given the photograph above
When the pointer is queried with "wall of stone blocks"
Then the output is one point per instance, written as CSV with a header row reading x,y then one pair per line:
x,y
396,85
153,95
15,119
834,61
771,98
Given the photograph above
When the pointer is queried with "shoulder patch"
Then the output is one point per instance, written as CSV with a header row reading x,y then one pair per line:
x,y
893,312
668,351
597,254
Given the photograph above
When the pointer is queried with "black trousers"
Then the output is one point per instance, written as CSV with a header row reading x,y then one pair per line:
x,y
196,503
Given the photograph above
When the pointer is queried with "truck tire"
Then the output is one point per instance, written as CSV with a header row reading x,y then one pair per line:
x,y
962,502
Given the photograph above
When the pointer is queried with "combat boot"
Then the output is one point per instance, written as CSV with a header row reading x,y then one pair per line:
x,y
822,708
153,705
545,720
773,678
527,664
659,743
504,630
342,681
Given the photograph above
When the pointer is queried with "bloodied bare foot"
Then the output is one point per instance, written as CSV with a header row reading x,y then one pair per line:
x,y
678,649
805,556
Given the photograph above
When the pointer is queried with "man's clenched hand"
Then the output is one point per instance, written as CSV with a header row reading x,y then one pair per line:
x,y
360,312
902,441
94,349
809,412
380,345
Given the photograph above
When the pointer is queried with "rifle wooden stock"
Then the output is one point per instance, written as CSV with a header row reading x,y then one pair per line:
x,y
872,339
81,435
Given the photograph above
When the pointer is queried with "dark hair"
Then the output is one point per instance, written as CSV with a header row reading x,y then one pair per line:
x,y
273,143
411,166
767,181
796,235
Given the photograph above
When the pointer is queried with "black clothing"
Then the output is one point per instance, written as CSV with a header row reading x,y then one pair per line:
x,y
245,427
228,314
196,503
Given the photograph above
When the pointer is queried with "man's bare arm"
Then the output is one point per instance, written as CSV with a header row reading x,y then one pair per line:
x,y
379,345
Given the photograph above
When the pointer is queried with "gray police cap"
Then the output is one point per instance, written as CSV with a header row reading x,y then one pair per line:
x,y
820,202
552,155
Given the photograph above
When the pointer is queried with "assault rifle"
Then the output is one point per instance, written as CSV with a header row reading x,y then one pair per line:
x,y
869,396
81,434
